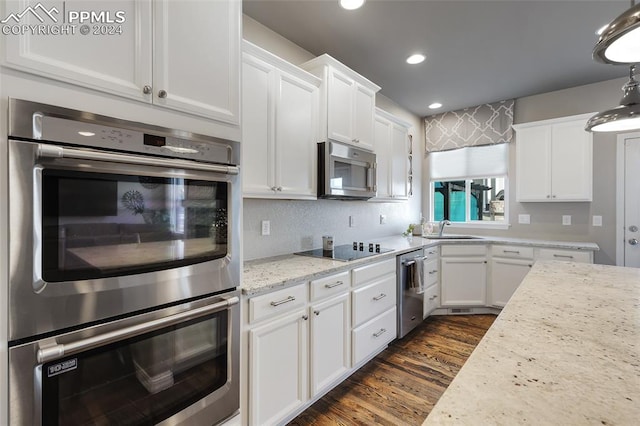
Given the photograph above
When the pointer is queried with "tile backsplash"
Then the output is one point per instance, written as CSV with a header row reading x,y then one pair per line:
x,y
300,225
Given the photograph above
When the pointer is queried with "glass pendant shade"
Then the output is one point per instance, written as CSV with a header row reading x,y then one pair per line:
x,y
619,41
624,117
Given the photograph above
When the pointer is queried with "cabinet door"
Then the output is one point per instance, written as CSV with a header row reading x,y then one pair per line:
x,y
464,281
296,150
400,164
197,57
431,300
506,276
119,64
382,147
278,368
330,342
340,104
258,150
365,104
533,164
571,168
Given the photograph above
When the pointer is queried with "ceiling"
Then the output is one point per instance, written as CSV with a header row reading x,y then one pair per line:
x,y
477,51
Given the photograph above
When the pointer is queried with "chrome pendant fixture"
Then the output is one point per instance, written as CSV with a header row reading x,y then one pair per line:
x,y
619,41
624,117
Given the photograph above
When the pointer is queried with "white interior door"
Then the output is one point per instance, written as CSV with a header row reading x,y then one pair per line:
x,y
631,239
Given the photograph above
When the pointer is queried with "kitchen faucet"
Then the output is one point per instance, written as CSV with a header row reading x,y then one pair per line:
x,y
441,225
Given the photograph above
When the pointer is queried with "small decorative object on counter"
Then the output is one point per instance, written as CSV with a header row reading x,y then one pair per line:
x,y
409,232
327,242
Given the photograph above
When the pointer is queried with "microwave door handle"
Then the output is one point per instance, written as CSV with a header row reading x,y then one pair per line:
x,y
57,351
371,177
52,151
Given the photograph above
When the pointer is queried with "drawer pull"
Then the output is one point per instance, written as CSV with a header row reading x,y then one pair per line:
x,y
379,333
336,284
511,251
382,296
563,256
435,296
435,271
280,302
305,317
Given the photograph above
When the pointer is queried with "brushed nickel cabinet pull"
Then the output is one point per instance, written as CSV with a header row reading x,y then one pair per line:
x,y
382,296
379,333
280,302
336,284
563,256
511,251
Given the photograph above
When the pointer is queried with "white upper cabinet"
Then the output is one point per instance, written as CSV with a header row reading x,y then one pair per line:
x,y
347,103
182,55
554,160
391,143
280,115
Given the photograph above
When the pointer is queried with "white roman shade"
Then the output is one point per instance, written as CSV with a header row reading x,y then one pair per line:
x,y
469,163
485,124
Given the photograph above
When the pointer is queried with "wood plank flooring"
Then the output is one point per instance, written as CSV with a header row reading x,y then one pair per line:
x,y
401,385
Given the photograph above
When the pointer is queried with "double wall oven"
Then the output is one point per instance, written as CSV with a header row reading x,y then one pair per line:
x,y
123,271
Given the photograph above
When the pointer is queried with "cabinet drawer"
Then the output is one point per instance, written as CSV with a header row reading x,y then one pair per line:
x,y
460,250
516,252
275,303
327,286
373,335
374,299
431,299
566,255
431,252
431,272
373,271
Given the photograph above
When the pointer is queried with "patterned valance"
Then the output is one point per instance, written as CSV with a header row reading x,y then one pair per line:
x,y
482,125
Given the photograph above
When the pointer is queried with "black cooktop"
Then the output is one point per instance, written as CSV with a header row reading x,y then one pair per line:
x,y
346,252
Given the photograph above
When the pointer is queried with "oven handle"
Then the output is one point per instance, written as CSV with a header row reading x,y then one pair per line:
x,y
53,352
52,151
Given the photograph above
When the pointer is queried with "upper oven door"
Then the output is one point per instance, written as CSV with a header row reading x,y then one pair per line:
x,y
96,234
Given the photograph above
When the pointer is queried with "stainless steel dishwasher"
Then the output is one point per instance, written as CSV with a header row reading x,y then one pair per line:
x,y
410,290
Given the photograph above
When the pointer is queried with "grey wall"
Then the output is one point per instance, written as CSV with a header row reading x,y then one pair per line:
x,y
299,225
546,218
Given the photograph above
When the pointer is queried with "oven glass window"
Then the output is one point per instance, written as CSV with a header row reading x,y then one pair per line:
x,y
139,381
349,176
105,225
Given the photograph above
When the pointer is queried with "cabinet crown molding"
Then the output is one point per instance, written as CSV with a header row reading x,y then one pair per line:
x,y
326,60
551,121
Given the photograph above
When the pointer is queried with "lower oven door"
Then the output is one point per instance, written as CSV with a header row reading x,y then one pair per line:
x,y
174,366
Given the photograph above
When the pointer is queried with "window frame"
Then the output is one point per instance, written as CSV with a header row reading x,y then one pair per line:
x,y
504,224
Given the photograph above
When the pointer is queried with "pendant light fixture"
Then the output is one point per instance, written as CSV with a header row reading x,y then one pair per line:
x,y
624,117
619,41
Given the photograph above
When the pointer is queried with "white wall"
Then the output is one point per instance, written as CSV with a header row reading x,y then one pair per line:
x,y
299,225
546,218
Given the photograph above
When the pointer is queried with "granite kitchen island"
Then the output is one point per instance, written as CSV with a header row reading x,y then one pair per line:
x,y
565,350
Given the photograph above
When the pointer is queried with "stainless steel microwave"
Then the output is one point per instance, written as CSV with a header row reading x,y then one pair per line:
x,y
345,172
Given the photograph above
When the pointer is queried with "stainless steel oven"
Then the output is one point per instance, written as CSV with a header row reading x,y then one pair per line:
x,y
124,266
109,217
345,172
177,365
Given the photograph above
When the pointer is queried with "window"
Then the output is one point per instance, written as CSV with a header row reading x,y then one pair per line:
x,y
469,185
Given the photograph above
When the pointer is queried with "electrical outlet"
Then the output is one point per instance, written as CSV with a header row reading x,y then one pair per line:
x,y
383,219
524,219
266,227
597,220
352,221
566,219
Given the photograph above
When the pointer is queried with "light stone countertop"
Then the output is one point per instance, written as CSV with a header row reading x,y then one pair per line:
x,y
564,351
274,273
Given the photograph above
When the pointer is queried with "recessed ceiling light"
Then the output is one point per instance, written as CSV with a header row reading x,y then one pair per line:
x,y
351,4
86,133
435,105
416,59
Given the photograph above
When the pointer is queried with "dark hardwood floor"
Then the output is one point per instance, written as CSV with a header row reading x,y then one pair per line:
x,y
402,384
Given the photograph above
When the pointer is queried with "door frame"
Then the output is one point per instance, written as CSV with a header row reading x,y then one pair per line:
x,y
620,185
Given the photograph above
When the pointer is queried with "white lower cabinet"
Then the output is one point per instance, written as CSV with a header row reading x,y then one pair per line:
x,y
506,276
278,368
431,271
374,335
566,255
463,276
330,344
